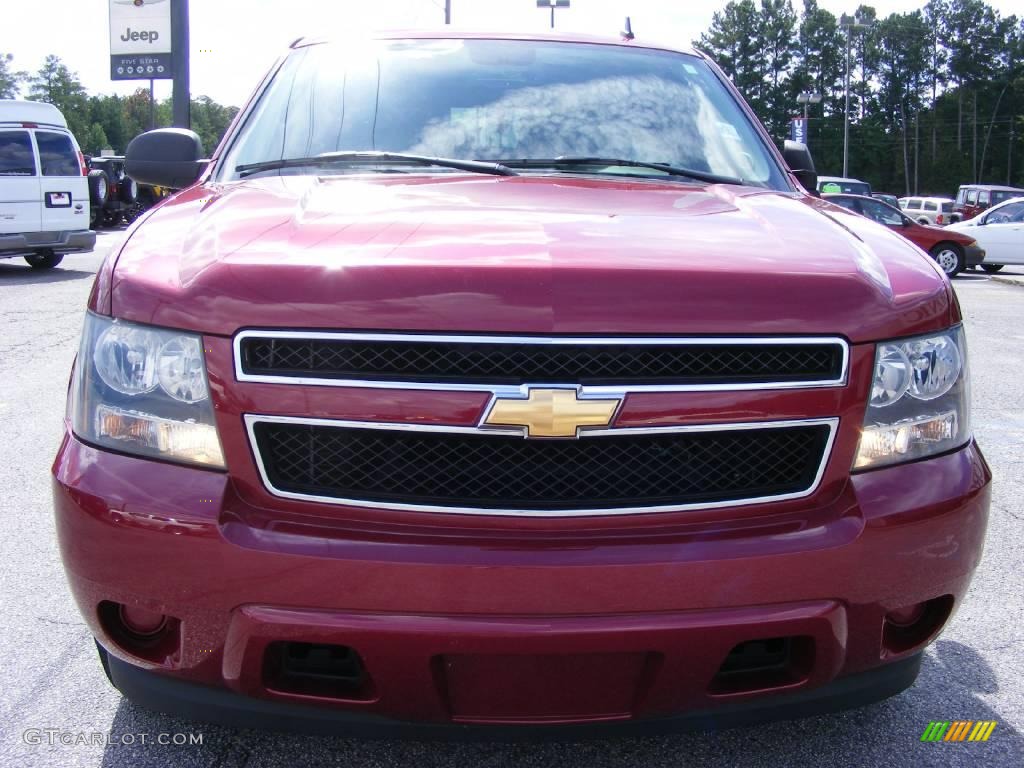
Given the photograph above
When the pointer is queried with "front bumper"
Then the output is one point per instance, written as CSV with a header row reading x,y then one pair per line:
x,y
478,631
974,255
59,242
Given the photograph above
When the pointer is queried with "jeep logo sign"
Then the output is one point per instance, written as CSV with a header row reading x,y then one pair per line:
x,y
143,28
152,36
140,40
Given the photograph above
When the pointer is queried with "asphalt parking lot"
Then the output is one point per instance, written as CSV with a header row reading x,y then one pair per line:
x,y
52,679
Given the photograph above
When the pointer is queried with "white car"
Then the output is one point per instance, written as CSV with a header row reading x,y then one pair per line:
x,y
1000,231
44,192
936,211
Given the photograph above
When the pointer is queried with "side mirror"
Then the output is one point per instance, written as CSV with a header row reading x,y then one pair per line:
x,y
166,157
798,158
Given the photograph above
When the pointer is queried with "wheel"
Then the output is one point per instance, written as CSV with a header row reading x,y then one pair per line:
x,y
923,221
45,259
128,190
950,257
991,268
99,188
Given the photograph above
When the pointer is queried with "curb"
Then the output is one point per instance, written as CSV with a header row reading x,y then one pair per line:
x,y
1018,281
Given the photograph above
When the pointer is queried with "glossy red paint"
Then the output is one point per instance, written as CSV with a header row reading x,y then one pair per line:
x,y
444,608
403,595
542,255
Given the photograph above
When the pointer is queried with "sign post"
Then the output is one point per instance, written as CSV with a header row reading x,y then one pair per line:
x,y
149,41
140,40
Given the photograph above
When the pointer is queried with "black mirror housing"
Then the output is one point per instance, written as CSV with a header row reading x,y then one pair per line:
x,y
166,157
798,159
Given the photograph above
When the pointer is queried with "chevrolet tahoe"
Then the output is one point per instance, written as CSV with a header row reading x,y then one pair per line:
x,y
501,384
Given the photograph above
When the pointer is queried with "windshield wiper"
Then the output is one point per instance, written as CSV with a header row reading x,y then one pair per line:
x,y
570,162
338,158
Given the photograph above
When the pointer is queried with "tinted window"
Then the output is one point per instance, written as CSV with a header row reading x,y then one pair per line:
x,y
914,205
1008,214
16,154
881,212
947,207
504,100
847,202
57,154
998,197
929,205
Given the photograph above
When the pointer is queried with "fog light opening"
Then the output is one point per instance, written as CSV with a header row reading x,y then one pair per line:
x,y
141,622
910,627
150,635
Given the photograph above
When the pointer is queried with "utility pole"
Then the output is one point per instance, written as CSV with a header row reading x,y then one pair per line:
x,y
181,96
447,11
850,24
552,4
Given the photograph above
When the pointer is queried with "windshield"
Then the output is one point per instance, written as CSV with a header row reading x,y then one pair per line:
x,y
503,100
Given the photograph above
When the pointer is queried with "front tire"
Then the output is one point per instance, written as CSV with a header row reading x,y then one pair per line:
x,y
991,268
44,259
949,257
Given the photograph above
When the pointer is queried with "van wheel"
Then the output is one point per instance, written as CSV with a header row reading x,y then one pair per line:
x,y
991,268
923,222
44,259
950,257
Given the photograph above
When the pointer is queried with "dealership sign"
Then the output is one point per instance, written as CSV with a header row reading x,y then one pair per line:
x,y
140,39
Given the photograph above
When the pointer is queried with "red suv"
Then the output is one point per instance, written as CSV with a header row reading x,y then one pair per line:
x,y
972,199
507,382
952,251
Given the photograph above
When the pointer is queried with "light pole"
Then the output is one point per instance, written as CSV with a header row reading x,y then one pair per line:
x,y
851,24
552,4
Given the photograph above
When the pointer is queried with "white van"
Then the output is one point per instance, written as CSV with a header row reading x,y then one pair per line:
x,y
44,192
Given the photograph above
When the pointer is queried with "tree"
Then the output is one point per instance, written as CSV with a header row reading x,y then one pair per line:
x,y
733,41
56,84
10,80
94,140
210,120
778,48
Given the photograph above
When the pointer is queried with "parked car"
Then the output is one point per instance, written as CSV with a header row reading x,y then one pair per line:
x,y
937,211
431,400
887,199
952,251
972,199
1000,231
115,198
44,196
838,184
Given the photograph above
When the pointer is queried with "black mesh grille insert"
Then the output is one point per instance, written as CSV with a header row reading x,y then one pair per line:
x,y
519,363
499,471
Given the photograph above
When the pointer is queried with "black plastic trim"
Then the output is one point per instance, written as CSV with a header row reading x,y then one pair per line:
x,y
174,697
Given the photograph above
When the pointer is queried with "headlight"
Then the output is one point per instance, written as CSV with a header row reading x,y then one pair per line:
x,y
143,390
919,400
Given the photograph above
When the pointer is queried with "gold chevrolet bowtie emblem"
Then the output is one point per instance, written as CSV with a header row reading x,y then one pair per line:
x,y
550,413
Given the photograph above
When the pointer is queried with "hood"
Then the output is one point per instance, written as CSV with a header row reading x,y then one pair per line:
x,y
528,254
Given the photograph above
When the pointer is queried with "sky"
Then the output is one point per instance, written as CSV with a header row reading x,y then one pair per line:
x,y
234,42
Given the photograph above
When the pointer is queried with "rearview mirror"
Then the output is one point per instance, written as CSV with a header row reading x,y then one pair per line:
x,y
166,157
798,158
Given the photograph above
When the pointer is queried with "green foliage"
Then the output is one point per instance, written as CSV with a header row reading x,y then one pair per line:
x,y
10,80
936,95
